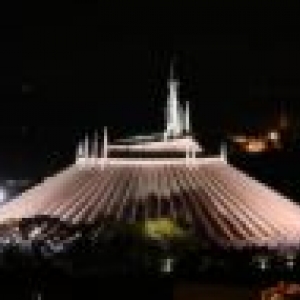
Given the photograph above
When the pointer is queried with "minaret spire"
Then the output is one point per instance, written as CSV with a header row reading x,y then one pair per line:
x,y
86,147
224,152
173,114
105,144
80,151
95,145
187,125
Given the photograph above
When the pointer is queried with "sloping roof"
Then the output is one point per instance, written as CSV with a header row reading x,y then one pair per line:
x,y
215,198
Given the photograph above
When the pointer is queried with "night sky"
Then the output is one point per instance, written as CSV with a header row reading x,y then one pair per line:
x,y
87,65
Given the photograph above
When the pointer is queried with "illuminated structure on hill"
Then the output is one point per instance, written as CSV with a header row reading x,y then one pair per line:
x,y
166,175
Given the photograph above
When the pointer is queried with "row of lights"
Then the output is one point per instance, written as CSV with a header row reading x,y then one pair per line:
x,y
263,262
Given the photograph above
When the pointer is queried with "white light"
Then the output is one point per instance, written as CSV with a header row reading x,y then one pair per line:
x,y
290,261
262,263
3,194
167,266
290,264
273,136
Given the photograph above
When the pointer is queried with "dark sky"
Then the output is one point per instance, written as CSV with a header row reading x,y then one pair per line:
x,y
86,65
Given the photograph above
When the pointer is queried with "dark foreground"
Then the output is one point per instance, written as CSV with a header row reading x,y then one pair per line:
x,y
129,288
136,288
214,292
59,285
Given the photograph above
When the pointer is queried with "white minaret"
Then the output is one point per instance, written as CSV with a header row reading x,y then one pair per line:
x,y
86,148
224,152
80,152
105,144
95,151
173,115
187,121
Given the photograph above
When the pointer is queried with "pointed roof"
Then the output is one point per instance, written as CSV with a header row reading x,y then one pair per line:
x,y
220,202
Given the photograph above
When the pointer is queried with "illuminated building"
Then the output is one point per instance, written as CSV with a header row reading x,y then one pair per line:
x,y
259,144
163,176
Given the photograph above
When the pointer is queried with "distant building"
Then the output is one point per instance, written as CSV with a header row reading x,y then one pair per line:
x,y
166,175
270,140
